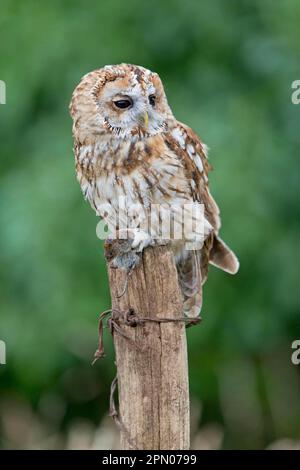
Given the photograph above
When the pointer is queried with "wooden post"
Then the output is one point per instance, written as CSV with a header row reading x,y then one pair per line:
x,y
152,367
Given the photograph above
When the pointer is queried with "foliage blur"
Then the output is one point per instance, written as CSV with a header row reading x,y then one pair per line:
x,y
227,68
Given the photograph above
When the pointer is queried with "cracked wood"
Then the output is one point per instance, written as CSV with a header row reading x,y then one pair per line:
x,y
152,368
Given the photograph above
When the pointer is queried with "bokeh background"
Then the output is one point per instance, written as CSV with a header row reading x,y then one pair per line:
x,y
227,68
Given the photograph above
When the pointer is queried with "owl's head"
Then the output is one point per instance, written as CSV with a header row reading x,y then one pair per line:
x,y
124,100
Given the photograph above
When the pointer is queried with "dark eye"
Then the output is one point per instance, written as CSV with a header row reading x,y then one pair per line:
x,y
152,99
125,103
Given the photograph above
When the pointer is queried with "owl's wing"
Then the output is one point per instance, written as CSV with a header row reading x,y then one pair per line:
x,y
193,155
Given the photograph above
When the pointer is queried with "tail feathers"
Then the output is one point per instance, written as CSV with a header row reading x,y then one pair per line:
x,y
189,273
222,257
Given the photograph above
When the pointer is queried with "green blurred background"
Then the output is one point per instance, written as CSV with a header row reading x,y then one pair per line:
x,y
227,67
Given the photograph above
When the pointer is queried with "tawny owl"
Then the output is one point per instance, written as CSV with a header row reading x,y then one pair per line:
x,y
129,147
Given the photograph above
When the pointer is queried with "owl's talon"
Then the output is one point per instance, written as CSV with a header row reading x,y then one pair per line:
x,y
141,241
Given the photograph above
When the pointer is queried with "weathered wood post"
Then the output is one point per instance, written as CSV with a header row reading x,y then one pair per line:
x,y
152,366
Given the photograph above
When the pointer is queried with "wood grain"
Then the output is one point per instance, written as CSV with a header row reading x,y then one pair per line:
x,y
152,368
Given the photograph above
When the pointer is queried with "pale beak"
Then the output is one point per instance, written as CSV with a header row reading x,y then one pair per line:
x,y
144,120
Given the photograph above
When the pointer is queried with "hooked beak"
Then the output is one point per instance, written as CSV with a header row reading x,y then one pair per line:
x,y
144,120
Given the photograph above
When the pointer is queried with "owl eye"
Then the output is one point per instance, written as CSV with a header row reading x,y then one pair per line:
x,y
152,99
122,104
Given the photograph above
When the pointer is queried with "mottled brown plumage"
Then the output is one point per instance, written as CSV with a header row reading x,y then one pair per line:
x,y
128,145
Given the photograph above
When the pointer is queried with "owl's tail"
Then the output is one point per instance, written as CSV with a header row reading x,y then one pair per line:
x,y
190,280
192,269
223,257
